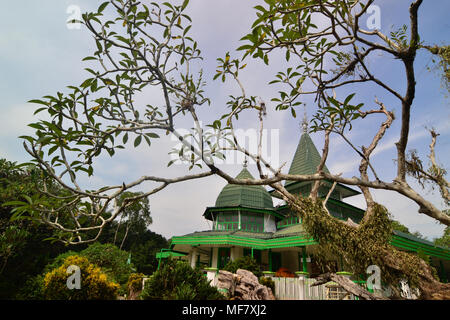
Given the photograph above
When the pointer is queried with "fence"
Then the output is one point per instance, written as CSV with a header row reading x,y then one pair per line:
x,y
298,289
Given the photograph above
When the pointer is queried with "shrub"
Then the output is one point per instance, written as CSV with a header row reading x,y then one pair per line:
x,y
134,285
268,283
176,280
134,282
32,289
247,263
108,257
284,273
112,260
59,260
94,283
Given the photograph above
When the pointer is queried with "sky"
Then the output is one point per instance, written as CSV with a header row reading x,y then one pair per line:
x,y
40,55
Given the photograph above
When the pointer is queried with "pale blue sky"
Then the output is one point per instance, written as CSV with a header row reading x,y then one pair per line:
x,y
39,55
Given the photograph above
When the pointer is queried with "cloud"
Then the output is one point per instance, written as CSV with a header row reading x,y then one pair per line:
x,y
42,56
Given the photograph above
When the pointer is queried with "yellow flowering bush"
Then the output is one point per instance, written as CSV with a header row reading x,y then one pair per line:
x,y
135,281
94,283
134,285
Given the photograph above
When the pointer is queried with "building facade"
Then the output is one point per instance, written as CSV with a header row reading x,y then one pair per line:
x,y
244,222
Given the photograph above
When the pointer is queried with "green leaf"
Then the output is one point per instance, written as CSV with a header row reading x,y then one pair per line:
x,y
125,138
38,101
36,126
349,97
170,163
102,6
137,141
152,135
89,58
293,112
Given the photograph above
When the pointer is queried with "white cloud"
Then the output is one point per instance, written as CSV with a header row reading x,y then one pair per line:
x,y
44,55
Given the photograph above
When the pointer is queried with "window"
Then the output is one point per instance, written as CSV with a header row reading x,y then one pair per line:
x,y
227,221
252,222
288,222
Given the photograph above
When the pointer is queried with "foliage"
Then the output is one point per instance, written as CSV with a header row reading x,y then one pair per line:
x,y
442,62
101,116
33,289
136,213
399,227
23,251
59,260
284,273
359,247
445,239
143,255
111,259
268,282
142,243
135,281
108,257
176,280
246,262
94,284
25,254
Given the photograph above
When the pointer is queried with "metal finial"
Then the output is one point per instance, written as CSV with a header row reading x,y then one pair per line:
x,y
245,162
305,122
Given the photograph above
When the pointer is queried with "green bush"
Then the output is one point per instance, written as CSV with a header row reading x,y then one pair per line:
x,y
247,263
108,257
268,283
94,285
59,261
33,289
111,259
134,282
176,280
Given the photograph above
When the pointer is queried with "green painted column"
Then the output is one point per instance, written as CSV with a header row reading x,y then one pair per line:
x,y
210,257
252,253
305,266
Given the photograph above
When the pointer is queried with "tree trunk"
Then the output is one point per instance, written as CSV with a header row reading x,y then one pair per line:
x,y
430,288
125,236
117,230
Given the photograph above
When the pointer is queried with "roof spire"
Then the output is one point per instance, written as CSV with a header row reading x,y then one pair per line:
x,y
305,122
245,162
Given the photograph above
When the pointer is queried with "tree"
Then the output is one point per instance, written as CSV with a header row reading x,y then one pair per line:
x,y
148,46
137,213
445,239
23,249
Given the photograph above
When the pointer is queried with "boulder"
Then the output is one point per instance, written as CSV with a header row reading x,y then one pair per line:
x,y
243,285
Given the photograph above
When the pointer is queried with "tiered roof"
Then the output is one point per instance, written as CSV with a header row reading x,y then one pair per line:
x,y
252,196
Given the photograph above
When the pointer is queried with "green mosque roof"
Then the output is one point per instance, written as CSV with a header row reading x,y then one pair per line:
x,y
244,195
306,158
